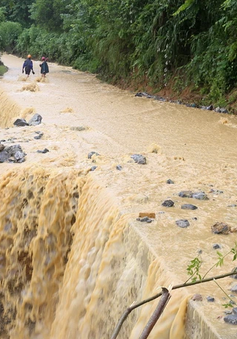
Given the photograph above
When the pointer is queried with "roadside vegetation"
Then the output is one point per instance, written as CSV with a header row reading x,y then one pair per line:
x,y
185,48
3,69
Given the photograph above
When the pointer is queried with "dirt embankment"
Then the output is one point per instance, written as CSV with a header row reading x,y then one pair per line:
x,y
176,91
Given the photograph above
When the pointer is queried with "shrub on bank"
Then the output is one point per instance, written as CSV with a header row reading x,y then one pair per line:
x,y
9,33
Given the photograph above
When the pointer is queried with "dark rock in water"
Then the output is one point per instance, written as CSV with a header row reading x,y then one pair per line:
x,y
12,154
170,182
90,155
93,168
186,194
231,319
195,195
39,136
13,149
200,196
223,110
234,289
35,120
4,156
43,151
191,105
234,310
156,97
197,297
220,228
188,207
143,94
145,219
139,159
78,128
168,203
220,110
20,122
210,108
210,299
19,156
216,246
216,191
119,167
183,223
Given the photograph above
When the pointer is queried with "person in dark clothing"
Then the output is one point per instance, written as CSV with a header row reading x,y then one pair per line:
x,y
44,67
28,66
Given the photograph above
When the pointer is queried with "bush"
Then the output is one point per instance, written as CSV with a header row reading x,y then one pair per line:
x,y
9,33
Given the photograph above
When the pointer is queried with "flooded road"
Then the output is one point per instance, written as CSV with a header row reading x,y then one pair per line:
x,y
71,241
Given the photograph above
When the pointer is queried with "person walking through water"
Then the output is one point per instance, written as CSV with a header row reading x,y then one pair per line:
x,y
44,67
28,66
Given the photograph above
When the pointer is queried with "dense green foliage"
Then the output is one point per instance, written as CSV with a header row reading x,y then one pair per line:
x,y
147,41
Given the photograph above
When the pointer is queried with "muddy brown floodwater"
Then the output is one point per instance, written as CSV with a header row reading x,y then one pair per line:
x,y
73,255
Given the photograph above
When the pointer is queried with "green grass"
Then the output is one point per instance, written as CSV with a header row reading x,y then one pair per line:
x,y
3,69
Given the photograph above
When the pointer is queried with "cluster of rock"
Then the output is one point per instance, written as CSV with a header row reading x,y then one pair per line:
x,y
159,98
35,120
14,153
232,317
217,228
137,158
11,154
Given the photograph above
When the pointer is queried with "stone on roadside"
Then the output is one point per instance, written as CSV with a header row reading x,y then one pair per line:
x,y
231,319
197,297
210,299
186,194
35,120
168,203
19,156
144,94
90,155
220,228
43,151
12,154
20,122
4,156
216,246
234,289
119,167
139,159
183,223
188,207
200,196
39,136
145,219
234,310
170,182
78,128
195,195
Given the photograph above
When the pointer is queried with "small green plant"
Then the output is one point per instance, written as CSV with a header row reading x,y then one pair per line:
x,y
193,270
194,267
